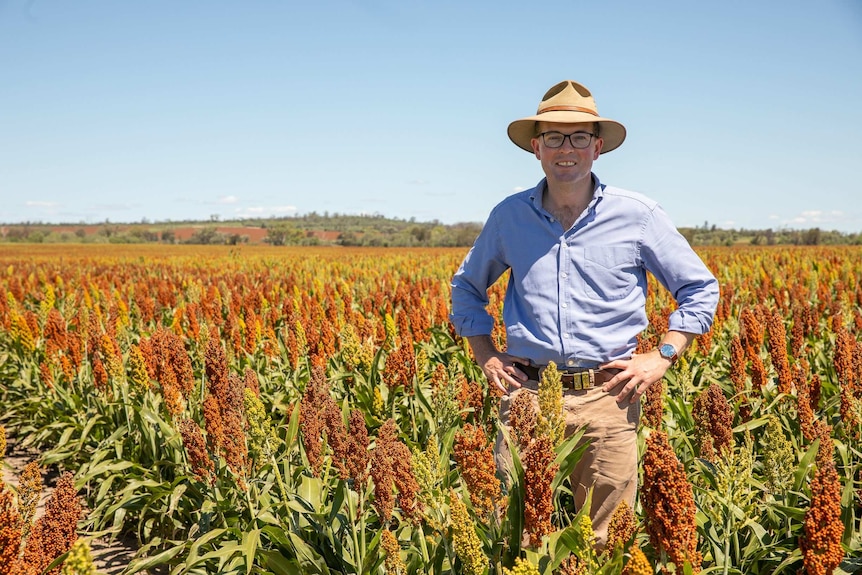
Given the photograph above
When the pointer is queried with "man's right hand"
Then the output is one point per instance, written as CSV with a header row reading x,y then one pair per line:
x,y
497,366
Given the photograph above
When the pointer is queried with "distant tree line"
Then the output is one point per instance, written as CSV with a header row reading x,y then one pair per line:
x,y
308,230
710,235
363,230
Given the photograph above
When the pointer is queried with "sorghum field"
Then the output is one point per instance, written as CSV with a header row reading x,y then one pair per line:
x,y
285,411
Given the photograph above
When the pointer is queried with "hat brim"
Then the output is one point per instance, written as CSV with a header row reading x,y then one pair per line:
x,y
522,131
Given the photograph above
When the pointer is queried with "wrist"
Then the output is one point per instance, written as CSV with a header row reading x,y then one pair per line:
x,y
669,352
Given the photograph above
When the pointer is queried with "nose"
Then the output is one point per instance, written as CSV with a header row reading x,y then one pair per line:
x,y
567,142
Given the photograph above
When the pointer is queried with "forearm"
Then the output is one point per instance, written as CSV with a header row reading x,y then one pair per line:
x,y
680,340
483,348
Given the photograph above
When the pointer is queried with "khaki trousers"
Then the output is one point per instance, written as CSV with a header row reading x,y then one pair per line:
x,y
610,464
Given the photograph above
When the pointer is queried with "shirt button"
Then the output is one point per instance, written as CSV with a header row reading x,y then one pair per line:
x,y
565,305
564,274
570,362
553,220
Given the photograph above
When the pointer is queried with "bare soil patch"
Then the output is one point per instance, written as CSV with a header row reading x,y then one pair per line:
x,y
111,556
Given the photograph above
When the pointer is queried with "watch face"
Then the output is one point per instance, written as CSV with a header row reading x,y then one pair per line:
x,y
667,351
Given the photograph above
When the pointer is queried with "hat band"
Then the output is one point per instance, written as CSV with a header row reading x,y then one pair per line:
x,y
568,109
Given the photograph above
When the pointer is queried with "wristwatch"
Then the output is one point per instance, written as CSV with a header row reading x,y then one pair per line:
x,y
668,352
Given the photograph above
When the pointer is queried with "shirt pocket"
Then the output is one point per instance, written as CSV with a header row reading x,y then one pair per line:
x,y
609,272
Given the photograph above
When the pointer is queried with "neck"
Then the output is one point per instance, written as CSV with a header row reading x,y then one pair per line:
x,y
572,195
566,203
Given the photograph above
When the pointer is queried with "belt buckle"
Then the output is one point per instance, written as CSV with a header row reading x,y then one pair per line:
x,y
579,380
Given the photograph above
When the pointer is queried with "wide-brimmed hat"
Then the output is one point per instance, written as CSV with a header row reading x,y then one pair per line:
x,y
570,103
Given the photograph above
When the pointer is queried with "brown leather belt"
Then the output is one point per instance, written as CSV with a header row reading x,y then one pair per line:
x,y
576,379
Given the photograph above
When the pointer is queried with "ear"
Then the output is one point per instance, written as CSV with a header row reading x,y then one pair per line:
x,y
535,144
598,150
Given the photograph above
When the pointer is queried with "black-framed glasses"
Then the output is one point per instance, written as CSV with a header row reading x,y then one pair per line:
x,y
579,140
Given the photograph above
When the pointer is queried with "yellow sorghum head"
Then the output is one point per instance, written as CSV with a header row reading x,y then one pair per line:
x,y
468,548
138,369
586,551
301,338
622,527
261,435
377,405
113,362
551,423
392,552
21,332
778,457
522,567
426,469
637,564
445,398
29,492
79,561
2,443
391,331
350,347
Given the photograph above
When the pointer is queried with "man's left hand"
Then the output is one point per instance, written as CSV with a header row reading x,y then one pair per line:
x,y
636,375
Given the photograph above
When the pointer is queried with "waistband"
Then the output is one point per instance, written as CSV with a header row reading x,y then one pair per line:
x,y
576,379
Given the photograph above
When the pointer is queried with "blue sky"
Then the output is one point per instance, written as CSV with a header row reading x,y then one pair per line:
x,y
743,114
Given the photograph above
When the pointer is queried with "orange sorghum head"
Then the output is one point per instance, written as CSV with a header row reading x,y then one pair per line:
x,y
737,364
821,545
336,435
393,563
714,421
382,472
522,418
100,374
778,350
475,457
653,409
231,406
54,333
668,503
193,440
54,533
357,449
213,424
539,471
10,532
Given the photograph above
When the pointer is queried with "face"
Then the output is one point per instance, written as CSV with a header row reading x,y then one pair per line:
x,y
567,164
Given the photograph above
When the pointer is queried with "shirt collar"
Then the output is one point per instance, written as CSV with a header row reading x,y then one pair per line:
x,y
539,191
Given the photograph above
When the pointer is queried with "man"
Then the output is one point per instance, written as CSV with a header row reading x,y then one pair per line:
x,y
578,252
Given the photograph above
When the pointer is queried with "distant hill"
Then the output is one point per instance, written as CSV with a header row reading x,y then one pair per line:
x,y
355,230
311,229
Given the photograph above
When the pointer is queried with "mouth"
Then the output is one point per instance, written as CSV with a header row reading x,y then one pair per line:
x,y
566,164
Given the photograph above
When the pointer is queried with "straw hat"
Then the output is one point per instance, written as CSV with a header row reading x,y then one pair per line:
x,y
570,103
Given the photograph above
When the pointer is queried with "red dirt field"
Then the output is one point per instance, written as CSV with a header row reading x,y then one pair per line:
x,y
247,234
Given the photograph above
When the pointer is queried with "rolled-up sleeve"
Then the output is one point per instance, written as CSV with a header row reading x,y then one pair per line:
x,y
672,261
483,265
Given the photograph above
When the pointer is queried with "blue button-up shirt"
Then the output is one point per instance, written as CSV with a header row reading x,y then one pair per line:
x,y
577,296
